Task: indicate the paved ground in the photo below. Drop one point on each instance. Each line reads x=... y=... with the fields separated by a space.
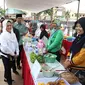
x=17 y=78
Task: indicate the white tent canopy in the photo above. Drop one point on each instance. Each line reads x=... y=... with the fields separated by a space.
x=35 y=5
x=74 y=5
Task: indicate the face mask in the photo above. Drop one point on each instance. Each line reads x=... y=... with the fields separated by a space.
x=53 y=30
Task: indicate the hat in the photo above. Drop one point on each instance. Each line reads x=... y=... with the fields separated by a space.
x=18 y=15
x=57 y=22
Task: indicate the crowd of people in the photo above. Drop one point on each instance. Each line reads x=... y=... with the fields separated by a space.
x=11 y=43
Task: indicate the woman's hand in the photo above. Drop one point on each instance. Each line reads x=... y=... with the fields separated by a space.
x=12 y=54
x=63 y=50
x=16 y=55
x=67 y=63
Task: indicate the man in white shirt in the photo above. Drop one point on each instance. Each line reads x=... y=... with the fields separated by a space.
x=8 y=50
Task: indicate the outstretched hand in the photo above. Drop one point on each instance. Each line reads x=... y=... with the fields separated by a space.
x=67 y=63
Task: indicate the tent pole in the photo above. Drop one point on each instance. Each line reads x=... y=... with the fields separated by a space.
x=78 y=9
x=4 y=7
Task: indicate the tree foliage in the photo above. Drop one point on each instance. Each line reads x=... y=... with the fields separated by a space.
x=2 y=12
x=48 y=11
x=67 y=15
x=38 y=15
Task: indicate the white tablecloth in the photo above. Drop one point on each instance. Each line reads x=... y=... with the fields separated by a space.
x=41 y=78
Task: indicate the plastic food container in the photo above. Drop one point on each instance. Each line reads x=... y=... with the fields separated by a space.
x=47 y=72
x=70 y=39
x=50 y=58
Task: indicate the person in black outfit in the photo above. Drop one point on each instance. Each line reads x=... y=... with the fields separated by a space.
x=16 y=33
x=13 y=62
x=43 y=32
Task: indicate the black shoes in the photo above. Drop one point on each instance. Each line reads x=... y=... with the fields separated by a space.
x=19 y=67
x=15 y=72
x=5 y=80
x=9 y=83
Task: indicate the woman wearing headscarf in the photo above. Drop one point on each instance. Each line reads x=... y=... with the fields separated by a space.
x=8 y=50
x=43 y=32
x=55 y=41
x=76 y=56
x=17 y=34
x=44 y=35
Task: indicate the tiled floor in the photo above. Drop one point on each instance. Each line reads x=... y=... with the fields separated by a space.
x=17 y=78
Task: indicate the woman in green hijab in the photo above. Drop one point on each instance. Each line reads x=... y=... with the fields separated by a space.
x=55 y=41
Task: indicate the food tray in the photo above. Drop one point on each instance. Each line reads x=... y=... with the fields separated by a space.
x=46 y=80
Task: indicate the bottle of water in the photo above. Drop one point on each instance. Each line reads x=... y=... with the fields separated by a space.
x=36 y=51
